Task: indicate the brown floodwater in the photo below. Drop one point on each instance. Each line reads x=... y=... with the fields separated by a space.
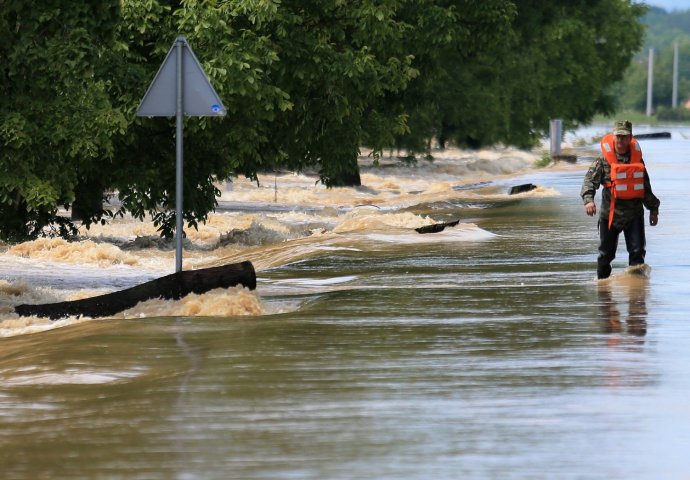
x=487 y=350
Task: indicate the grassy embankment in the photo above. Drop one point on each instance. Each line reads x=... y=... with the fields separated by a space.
x=637 y=118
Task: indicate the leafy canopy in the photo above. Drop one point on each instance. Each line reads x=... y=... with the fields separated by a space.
x=306 y=83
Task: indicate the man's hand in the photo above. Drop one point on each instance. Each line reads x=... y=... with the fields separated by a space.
x=653 y=219
x=591 y=209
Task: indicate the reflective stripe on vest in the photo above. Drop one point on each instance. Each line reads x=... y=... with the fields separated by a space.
x=636 y=186
x=628 y=180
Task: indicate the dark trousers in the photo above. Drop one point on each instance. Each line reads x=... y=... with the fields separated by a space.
x=608 y=243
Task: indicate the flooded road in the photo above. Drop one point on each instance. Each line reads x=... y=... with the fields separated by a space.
x=488 y=350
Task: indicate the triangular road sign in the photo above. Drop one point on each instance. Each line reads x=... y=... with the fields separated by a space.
x=199 y=98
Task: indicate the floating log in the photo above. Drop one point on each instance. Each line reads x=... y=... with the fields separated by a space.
x=653 y=135
x=525 y=187
x=436 y=227
x=170 y=287
x=471 y=186
x=565 y=158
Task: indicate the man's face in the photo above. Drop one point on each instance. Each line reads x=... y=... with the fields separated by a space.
x=622 y=143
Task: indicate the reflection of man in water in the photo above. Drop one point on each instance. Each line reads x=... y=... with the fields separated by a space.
x=636 y=320
x=622 y=198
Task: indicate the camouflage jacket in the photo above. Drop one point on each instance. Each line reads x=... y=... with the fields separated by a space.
x=600 y=173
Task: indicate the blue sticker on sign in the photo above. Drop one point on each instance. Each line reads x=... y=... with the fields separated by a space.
x=216 y=108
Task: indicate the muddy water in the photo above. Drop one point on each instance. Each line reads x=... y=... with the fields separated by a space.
x=487 y=350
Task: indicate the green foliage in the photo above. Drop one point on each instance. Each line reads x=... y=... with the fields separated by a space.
x=673 y=114
x=515 y=66
x=56 y=120
x=453 y=45
x=544 y=161
x=557 y=64
x=298 y=79
x=663 y=30
x=305 y=84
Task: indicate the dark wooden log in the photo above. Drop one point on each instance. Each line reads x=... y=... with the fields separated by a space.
x=436 y=227
x=170 y=287
x=565 y=158
x=653 y=135
x=525 y=187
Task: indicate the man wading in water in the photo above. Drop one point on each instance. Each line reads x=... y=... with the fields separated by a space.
x=622 y=172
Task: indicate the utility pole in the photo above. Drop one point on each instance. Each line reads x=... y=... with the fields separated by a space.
x=650 y=81
x=674 y=100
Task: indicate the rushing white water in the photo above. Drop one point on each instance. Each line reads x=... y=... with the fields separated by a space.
x=283 y=219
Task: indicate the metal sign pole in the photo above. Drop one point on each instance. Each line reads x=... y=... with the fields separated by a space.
x=180 y=88
x=179 y=233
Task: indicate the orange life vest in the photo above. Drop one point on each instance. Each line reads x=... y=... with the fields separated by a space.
x=627 y=179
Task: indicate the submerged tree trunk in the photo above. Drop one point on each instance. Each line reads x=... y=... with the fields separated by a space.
x=346 y=176
x=347 y=179
x=88 y=202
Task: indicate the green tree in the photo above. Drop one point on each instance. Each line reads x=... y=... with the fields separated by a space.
x=302 y=82
x=533 y=62
x=305 y=83
x=663 y=74
x=453 y=45
x=662 y=30
x=556 y=62
x=56 y=119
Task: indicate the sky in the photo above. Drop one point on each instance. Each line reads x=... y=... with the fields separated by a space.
x=669 y=5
